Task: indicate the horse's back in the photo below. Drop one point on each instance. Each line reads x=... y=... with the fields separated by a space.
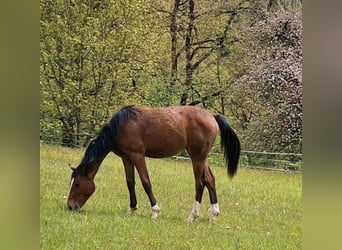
x=181 y=120
x=163 y=132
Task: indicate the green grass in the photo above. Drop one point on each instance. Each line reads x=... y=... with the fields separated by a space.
x=259 y=209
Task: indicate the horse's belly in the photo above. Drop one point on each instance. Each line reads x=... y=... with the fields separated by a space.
x=160 y=153
x=164 y=147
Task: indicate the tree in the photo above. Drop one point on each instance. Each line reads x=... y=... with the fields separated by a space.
x=240 y=58
x=274 y=82
x=199 y=34
x=89 y=51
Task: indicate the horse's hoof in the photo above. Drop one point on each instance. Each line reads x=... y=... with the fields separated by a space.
x=214 y=212
x=131 y=211
x=213 y=218
x=192 y=217
x=155 y=211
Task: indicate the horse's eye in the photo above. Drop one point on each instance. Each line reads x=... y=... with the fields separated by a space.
x=76 y=185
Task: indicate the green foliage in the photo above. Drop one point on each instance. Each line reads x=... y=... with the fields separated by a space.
x=88 y=51
x=238 y=58
x=259 y=210
x=161 y=93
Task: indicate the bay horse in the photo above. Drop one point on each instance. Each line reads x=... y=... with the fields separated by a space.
x=134 y=133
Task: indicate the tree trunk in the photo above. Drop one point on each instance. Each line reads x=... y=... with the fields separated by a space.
x=67 y=134
x=188 y=54
x=173 y=34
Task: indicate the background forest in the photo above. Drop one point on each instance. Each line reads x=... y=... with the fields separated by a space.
x=239 y=58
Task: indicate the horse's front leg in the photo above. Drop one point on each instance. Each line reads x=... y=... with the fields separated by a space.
x=140 y=165
x=130 y=180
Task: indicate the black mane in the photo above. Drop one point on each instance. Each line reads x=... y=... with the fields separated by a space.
x=106 y=136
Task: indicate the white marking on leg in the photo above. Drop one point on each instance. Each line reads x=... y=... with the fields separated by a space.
x=215 y=211
x=155 y=211
x=195 y=212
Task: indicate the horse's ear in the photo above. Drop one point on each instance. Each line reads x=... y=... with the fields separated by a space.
x=71 y=167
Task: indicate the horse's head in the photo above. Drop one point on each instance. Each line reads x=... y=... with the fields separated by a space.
x=82 y=186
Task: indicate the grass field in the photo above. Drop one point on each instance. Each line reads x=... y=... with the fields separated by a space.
x=259 y=209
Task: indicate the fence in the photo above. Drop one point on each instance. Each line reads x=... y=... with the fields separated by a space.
x=271 y=161
x=284 y=162
x=288 y=162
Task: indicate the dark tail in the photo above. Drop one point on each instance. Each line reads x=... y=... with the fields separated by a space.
x=230 y=145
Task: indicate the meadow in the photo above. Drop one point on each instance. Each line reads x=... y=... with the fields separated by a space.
x=259 y=209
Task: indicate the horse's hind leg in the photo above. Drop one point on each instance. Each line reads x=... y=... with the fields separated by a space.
x=209 y=182
x=198 y=167
x=130 y=180
x=204 y=177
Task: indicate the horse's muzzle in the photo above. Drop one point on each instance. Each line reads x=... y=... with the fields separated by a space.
x=73 y=206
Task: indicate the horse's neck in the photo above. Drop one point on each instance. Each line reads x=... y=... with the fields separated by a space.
x=96 y=165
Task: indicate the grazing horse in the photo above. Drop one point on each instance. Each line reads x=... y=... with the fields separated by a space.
x=134 y=133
